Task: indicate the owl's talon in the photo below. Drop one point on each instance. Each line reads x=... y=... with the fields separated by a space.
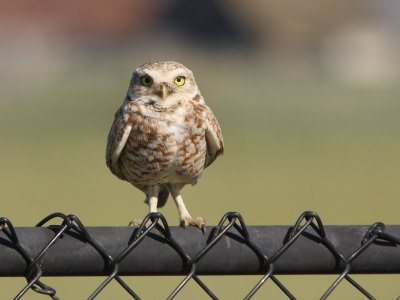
x=183 y=223
x=199 y=222
x=135 y=223
x=202 y=225
x=138 y=223
x=203 y=228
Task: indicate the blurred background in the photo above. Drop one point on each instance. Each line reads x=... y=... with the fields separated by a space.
x=307 y=95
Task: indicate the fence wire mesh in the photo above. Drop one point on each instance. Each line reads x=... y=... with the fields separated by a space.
x=231 y=223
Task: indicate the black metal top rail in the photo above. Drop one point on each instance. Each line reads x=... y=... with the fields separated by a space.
x=230 y=248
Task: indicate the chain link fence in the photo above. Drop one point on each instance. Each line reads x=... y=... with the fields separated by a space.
x=71 y=249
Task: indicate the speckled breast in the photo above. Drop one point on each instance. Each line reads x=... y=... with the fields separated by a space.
x=164 y=148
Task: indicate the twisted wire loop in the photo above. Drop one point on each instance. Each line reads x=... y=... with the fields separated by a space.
x=34 y=269
x=33 y=272
x=138 y=236
x=219 y=232
x=308 y=226
x=296 y=231
x=376 y=233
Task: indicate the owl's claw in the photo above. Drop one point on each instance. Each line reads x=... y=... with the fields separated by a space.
x=199 y=222
x=137 y=223
x=203 y=228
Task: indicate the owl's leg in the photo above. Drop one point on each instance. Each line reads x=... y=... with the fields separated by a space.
x=153 y=199
x=184 y=216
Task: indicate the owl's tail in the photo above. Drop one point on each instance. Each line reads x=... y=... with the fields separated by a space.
x=162 y=196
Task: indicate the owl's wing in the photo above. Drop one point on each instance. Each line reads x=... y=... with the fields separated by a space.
x=215 y=143
x=116 y=141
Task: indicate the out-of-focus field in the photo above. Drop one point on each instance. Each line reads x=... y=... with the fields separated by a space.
x=294 y=140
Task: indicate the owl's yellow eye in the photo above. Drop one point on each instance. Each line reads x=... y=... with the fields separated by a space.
x=180 y=80
x=146 y=80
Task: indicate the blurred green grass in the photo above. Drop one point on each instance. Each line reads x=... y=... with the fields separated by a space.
x=295 y=141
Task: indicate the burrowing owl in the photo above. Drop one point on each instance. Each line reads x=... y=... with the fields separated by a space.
x=163 y=135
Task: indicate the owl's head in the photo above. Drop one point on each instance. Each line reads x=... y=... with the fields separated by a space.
x=163 y=83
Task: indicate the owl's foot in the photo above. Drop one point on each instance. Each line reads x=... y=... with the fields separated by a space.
x=199 y=222
x=138 y=223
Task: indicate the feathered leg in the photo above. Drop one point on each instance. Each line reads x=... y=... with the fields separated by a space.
x=184 y=216
x=152 y=196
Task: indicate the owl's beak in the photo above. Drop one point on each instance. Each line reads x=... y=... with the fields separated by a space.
x=164 y=92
